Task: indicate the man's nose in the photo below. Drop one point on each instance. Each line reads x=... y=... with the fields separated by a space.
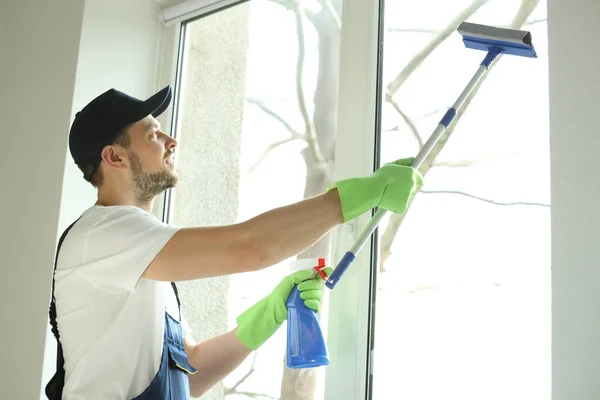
x=171 y=142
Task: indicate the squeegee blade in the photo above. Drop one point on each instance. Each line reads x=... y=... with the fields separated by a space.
x=507 y=41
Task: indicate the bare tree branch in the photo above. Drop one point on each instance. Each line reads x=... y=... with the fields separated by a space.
x=414 y=63
x=273 y=114
x=408 y=121
x=295 y=135
x=397 y=127
x=412 y=30
x=430 y=31
x=394 y=223
x=309 y=128
x=304 y=383
x=393 y=86
x=526 y=8
x=387 y=239
x=458 y=164
x=536 y=21
x=271 y=147
x=328 y=5
x=471 y=162
x=497 y=203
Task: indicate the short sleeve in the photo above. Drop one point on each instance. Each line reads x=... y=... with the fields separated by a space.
x=121 y=244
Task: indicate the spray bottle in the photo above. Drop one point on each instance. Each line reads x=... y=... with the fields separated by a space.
x=306 y=346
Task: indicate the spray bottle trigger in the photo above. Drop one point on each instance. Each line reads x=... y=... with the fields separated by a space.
x=319 y=268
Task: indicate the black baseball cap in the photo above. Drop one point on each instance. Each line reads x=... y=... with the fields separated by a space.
x=99 y=123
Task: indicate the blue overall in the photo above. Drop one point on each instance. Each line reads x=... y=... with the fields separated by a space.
x=171 y=380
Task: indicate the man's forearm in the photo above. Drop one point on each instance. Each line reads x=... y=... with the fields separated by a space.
x=262 y=241
x=286 y=231
x=214 y=359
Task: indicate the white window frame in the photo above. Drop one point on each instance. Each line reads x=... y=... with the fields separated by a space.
x=356 y=155
x=350 y=319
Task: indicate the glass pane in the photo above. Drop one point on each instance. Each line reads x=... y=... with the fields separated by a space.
x=463 y=294
x=256 y=129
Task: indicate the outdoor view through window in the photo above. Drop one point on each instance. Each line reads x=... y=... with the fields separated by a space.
x=257 y=126
x=462 y=299
x=463 y=294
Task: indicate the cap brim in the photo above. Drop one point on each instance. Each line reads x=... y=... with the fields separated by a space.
x=156 y=104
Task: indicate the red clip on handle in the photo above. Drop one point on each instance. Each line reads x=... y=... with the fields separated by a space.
x=319 y=268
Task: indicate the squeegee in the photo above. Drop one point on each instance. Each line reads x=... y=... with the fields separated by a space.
x=306 y=347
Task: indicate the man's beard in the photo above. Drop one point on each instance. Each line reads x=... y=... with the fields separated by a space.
x=147 y=185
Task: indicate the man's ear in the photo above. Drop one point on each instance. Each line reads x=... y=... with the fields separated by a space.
x=114 y=157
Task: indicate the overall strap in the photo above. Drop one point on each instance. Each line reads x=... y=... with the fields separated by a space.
x=52 y=312
x=54 y=387
x=177 y=297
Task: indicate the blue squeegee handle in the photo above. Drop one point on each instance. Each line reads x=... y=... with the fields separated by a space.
x=446 y=120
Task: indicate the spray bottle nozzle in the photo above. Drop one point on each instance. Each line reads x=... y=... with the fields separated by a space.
x=319 y=268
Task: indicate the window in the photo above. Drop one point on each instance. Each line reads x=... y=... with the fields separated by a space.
x=450 y=300
x=257 y=130
x=463 y=294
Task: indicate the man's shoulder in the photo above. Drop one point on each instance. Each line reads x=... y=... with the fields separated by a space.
x=113 y=245
x=109 y=229
x=117 y=211
x=98 y=217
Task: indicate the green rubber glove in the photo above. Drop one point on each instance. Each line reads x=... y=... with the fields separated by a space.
x=391 y=187
x=258 y=323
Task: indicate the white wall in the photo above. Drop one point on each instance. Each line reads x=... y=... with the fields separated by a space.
x=573 y=30
x=37 y=69
x=46 y=69
x=119 y=45
x=42 y=68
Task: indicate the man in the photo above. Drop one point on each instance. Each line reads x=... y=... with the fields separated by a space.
x=113 y=310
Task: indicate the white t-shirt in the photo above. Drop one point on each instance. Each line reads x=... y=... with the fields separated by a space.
x=110 y=320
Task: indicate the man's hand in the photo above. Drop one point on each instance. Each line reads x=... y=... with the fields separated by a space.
x=215 y=358
x=391 y=188
x=262 y=320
